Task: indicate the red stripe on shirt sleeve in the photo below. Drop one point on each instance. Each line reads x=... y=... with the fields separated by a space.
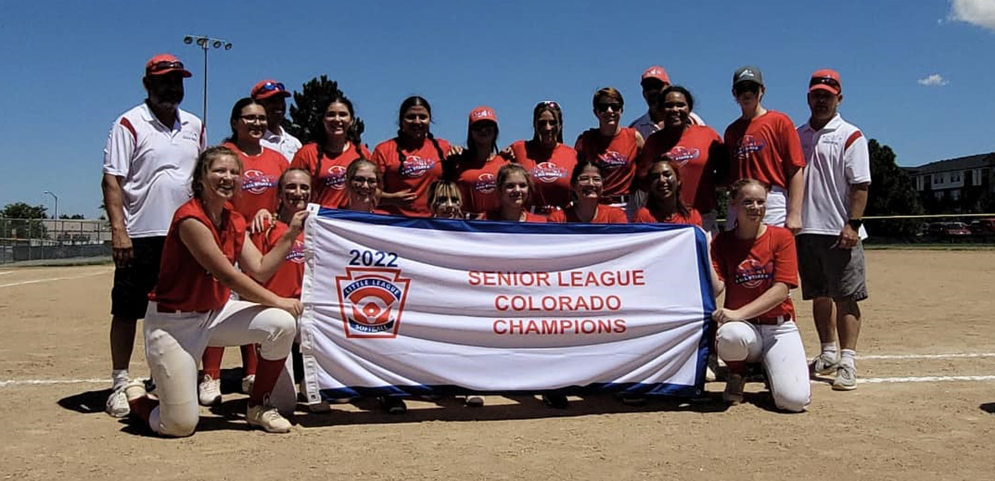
x=851 y=139
x=131 y=128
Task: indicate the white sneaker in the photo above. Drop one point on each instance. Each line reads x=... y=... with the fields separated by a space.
x=733 y=393
x=209 y=391
x=474 y=401
x=247 y=383
x=824 y=364
x=117 y=403
x=267 y=418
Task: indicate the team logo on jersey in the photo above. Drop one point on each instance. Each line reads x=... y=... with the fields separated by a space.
x=613 y=160
x=336 y=177
x=752 y=274
x=682 y=155
x=548 y=172
x=256 y=182
x=748 y=145
x=371 y=301
x=486 y=183
x=296 y=254
x=415 y=166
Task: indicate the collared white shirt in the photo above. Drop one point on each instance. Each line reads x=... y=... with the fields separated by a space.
x=836 y=157
x=156 y=163
x=646 y=127
x=284 y=143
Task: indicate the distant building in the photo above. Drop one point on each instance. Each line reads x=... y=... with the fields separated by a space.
x=954 y=180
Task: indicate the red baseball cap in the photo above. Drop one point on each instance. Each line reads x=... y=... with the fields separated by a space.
x=268 y=88
x=826 y=79
x=165 y=63
x=656 y=72
x=482 y=113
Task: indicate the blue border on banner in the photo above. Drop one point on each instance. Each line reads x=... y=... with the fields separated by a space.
x=457 y=225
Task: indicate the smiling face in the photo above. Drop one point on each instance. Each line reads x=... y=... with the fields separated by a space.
x=251 y=123
x=676 y=110
x=515 y=190
x=223 y=178
x=483 y=134
x=750 y=203
x=415 y=122
x=362 y=185
x=664 y=180
x=547 y=127
x=295 y=192
x=608 y=111
x=588 y=184
x=337 y=120
x=446 y=201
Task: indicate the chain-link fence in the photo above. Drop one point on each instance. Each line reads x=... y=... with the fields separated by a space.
x=38 y=239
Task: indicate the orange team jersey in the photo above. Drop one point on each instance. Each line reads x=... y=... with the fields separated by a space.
x=327 y=187
x=605 y=214
x=529 y=217
x=260 y=178
x=646 y=216
x=286 y=282
x=766 y=149
x=421 y=167
x=751 y=267
x=698 y=153
x=478 y=183
x=617 y=157
x=184 y=284
x=550 y=172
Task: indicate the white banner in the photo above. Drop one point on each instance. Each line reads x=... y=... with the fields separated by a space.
x=421 y=306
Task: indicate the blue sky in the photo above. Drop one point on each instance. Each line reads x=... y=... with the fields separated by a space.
x=72 y=67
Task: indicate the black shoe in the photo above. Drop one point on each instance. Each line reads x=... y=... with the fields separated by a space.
x=555 y=401
x=393 y=404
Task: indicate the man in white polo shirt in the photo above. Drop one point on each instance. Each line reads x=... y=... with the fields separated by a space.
x=654 y=81
x=273 y=97
x=830 y=252
x=148 y=161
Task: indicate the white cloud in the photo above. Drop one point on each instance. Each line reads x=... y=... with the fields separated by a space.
x=935 y=80
x=975 y=12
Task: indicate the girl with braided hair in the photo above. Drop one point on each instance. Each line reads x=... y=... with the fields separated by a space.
x=336 y=144
x=410 y=162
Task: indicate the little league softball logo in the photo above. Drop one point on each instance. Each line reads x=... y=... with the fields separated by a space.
x=548 y=172
x=748 y=145
x=613 y=160
x=371 y=301
x=296 y=254
x=256 y=182
x=682 y=155
x=752 y=274
x=485 y=184
x=415 y=166
x=336 y=177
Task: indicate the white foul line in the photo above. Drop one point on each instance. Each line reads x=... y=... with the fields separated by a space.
x=36 y=281
x=878 y=380
x=927 y=356
x=37 y=382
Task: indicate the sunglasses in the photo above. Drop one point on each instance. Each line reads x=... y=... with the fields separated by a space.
x=604 y=107
x=828 y=81
x=165 y=65
x=253 y=118
x=548 y=103
x=271 y=86
x=742 y=88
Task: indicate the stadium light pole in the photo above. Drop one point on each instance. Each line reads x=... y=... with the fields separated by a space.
x=206 y=43
x=56 y=216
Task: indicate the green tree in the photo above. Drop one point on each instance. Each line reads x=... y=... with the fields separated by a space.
x=23 y=221
x=892 y=192
x=305 y=118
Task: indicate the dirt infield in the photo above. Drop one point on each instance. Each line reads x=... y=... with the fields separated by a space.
x=925 y=408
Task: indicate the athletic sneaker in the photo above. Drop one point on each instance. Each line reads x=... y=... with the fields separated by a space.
x=846 y=378
x=117 y=403
x=824 y=364
x=733 y=393
x=267 y=418
x=474 y=401
x=209 y=391
x=247 y=383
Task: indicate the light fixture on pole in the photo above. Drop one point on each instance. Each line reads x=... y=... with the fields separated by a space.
x=56 y=216
x=205 y=43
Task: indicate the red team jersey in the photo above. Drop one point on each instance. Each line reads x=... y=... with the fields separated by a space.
x=328 y=187
x=260 y=178
x=646 y=216
x=550 y=173
x=478 y=183
x=766 y=148
x=698 y=153
x=605 y=214
x=184 y=284
x=751 y=267
x=529 y=217
x=617 y=156
x=421 y=167
x=286 y=282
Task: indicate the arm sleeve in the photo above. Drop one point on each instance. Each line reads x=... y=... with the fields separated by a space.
x=792 y=153
x=857 y=159
x=119 y=149
x=785 y=258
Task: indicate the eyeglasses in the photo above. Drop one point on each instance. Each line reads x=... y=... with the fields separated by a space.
x=164 y=65
x=829 y=81
x=271 y=86
x=253 y=118
x=614 y=106
x=372 y=181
